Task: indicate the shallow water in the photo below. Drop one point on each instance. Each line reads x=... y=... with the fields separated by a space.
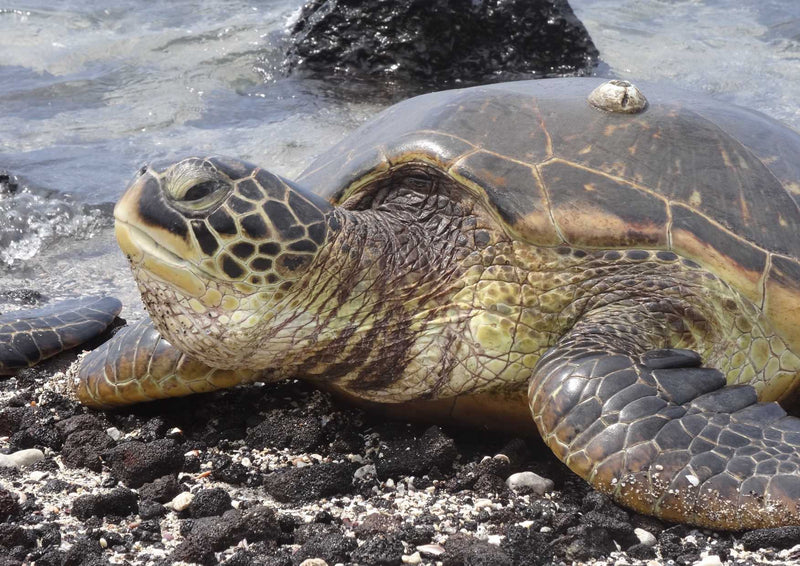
x=89 y=94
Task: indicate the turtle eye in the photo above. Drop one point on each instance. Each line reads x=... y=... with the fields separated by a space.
x=200 y=195
x=201 y=191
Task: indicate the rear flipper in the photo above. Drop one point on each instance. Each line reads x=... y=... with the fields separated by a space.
x=30 y=336
x=668 y=438
x=139 y=365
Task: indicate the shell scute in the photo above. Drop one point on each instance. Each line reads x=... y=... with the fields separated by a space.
x=589 y=207
x=493 y=177
x=718 y=249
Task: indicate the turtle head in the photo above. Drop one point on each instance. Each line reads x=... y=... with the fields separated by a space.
x=214 y=244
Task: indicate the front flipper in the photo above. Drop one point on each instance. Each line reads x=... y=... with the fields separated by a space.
x=30 y=336
x=139 y=365
x=665 y=437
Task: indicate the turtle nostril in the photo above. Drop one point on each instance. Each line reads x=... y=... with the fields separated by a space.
x=143 y=170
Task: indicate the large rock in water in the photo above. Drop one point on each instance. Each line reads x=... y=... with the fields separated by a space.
x=439 y=43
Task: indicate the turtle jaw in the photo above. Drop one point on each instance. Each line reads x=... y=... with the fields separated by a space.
x=145 y=253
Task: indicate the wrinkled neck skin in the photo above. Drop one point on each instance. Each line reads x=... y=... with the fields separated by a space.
x=383 y=278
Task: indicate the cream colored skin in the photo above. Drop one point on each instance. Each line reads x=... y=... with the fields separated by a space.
x=473 y=321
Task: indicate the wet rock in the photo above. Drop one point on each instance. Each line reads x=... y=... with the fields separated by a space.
x=310 y=482
x=209 y=502
x=84 y=449
x=439 y=43
x=280 y=429
x=136 y=463
x=779 y=538
x=120 y=502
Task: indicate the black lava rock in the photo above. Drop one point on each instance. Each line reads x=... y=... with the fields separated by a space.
x=120 y=502
x=15 y=536
x=84 y=551
x=9 y=506
x=379 y=550
x=35 y=436
x=212 y=534
x=149 y=509
x=147 y=531
x=310 y=482
x=779 y=538
x=525 y=546
x=280 y=429
x=84 y=448
x=326 y=542
x=439 y=43
x=81 y=422
x=161 y=489
x=407 y=456
x=136 y=463
x=48 y=535
x=209 y=502
x=461 y=549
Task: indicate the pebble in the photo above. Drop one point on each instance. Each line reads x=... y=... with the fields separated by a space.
x=21 y=458
x=365 y=472
x=313 y=562
x=645 y=537
x=114 y=433
x=432 y=549
x=181 y=501
x=709 y=560
x=529 y=482
x=411 y=558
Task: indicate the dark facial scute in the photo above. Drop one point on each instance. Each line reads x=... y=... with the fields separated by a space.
x=208 y=243
x=254 y=226
x=231 y=268
x=222 y=222
x=243 y=250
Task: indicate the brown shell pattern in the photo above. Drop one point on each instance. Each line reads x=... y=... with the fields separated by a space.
x=715 y=183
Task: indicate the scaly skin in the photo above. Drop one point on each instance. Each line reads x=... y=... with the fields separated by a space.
x=420 y=294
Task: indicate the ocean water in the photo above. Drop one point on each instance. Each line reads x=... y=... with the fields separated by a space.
x=89 y=93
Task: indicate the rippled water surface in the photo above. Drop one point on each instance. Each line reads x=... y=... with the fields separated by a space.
x=88 y=94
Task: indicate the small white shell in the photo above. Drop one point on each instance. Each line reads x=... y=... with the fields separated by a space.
x=618 y=96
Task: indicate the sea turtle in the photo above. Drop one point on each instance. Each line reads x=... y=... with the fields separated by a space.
x=29 y=336
x=602 y=261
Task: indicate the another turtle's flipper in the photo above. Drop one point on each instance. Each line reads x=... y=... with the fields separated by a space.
x=665 y=437
x=30 y=336
x=138 y=365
